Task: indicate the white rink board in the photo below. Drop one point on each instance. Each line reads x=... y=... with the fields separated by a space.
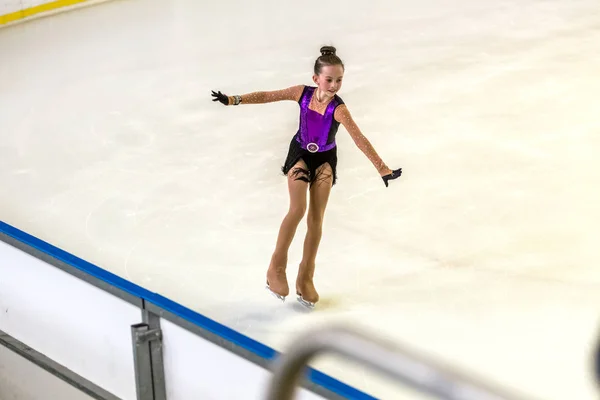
x=87 y=330
x=17 y=373
x=199 y=369
x=83 y=328
x=10 y=6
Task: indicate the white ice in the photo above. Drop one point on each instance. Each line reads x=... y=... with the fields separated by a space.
x=484 y=253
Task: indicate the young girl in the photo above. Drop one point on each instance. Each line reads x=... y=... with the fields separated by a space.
x=311 y=163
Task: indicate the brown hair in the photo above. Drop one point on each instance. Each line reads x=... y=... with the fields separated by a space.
x=328 y=57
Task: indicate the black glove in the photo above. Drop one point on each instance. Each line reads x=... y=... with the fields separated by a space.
x=220 y=97
x=395 y=174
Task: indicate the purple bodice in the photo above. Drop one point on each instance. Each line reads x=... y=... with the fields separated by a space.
x=317 y=132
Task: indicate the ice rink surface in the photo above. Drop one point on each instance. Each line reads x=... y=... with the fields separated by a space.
x=484 y=253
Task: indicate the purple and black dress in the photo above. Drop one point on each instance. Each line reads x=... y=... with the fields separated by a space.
x=314 y=142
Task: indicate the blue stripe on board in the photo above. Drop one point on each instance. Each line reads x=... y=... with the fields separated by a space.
x=193 y=317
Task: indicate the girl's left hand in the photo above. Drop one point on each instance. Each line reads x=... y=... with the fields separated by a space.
x=390 y=175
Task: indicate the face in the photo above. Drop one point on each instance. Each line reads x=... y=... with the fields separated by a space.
x=329 y=81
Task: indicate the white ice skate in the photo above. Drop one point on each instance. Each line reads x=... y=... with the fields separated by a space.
x=276 y=295
x=308 y=304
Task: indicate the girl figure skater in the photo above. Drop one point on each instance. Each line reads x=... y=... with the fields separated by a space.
x=310 y=166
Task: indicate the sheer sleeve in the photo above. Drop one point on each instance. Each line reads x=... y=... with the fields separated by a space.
x=292 y=93
x=342 y=115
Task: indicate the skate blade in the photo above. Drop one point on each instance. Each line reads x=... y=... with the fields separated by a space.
x=307 y=304
x=276 y=295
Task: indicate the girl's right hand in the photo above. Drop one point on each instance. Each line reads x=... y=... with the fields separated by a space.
x=220 y=97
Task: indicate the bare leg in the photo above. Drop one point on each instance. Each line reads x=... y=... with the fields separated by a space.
x=297 y=186
x=319 y=196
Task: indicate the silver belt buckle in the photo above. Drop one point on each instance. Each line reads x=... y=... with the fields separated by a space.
x=312 y=147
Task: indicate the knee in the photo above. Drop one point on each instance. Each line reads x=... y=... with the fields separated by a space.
x=296 y=212
x=314 y=220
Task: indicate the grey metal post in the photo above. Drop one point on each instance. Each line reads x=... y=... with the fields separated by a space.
x=156 y=356
x=414 y=370
x=141 y=335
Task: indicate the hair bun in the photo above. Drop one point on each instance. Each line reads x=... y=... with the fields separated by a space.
x=326 y=50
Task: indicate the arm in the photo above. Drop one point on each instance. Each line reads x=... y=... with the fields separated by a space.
x=342 y=115
x=292 y=93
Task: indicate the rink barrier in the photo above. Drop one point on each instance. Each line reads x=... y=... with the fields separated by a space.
x=39 y=9
x=14 y=15
x=145 y=370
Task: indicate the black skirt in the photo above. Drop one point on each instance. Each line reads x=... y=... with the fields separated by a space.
x=313 y=160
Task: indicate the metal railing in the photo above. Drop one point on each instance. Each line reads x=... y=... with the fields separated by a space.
x=414 y=370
